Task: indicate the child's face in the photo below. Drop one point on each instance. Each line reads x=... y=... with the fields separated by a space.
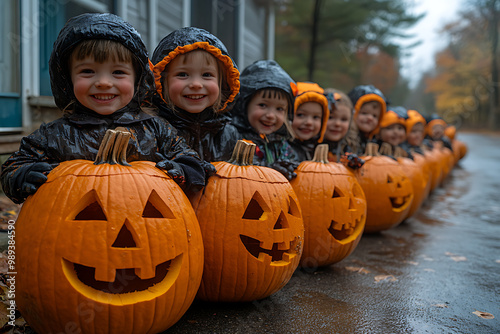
x=307 y=120
x=437 y=131
x=394 y=134
x=102 y=87
x=416 y=135
x=338 y=123
x=193 y=82
x=368 y=116
x=266 y=114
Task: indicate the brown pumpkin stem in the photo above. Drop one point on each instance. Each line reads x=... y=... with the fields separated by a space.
x=321 y=153
x=400 y=153
x=385 y=149
x=243 y=153
x=113 y=149
x=371 y=149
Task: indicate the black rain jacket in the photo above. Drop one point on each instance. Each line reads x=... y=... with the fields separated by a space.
x=273 y=148
x=209 y=132
x=77 y=135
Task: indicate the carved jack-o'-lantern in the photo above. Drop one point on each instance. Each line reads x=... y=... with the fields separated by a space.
x=333 y=207
x=108 y=248
x=252 y=230
x=424 y=166
x=433 y=159
x=387 y=189
x=419 y=181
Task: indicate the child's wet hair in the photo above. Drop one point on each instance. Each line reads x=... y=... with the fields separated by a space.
x=276 y=93
x=102 y=50
x=224 y=90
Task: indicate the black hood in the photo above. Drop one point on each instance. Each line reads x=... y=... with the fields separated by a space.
x=188 y=39
x=260 y=75
x=96 y=26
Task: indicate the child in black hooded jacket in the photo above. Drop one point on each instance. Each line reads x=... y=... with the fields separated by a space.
x=100 y=76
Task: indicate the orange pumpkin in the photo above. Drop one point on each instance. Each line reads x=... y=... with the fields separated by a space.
x=419 y=181
x=252 y=230
x=388 y=190
x=107 y=247
x=459 y=149
x=333 y=207
x=423 y=164
x=433 y=159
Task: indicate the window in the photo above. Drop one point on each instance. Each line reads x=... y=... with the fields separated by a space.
x=10 y=69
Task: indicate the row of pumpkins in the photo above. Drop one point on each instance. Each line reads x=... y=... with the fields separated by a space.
x=112 y=247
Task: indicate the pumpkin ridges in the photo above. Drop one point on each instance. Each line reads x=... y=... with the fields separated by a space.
x=231 y=269
x=50 y=317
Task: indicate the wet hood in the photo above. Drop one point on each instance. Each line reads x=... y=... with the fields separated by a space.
x=96 y=26
x=190 y=38
x=259 y=75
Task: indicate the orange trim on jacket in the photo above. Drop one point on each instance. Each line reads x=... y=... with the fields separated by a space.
x=312 y=92
x=232 y=74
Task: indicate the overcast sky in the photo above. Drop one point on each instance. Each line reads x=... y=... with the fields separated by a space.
x=439 y=12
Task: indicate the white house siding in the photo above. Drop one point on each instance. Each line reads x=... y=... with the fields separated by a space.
x=254 y=35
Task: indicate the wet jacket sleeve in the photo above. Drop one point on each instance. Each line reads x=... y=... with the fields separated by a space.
x=31 y=157
x=182 y=163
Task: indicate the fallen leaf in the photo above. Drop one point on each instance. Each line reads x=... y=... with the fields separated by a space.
x=455 y=257
x=412 y=263
x=360 y=270
x=388 y=278
x=497 y=261
x=440 y=305
x=426 y=258
x=484 y=315
x=429 y=270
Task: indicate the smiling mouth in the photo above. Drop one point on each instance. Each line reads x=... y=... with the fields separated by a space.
x=104 y=97
x=340 y=231
x=194 y=97
x=127 y=287
x=277 y=253
x=400 y=201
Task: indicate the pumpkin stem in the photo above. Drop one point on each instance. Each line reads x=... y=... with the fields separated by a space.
x=400 y=153
x=372 y=149
x=113 y=149
x=321 y=153
x=385 y=149
x=243 y=153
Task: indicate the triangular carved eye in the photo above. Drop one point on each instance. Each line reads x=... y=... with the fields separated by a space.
x=156 y=208
x=356 y=190
x=293 y=208
x=89 y=208
x=389 y=179
x=281 y=223
x=337 y=193
x=125 y=239
x=255 y=208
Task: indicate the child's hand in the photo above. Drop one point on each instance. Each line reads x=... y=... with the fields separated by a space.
x=173 y=169
x=209 y=169
x=287 y=168
x=35 y=177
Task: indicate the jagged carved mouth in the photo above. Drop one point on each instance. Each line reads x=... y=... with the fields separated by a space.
x=127 y=287
x=280 y=252
x=343 y=231
x=400 y=201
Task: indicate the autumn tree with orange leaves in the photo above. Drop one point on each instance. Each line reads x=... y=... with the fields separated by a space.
x=465 y=82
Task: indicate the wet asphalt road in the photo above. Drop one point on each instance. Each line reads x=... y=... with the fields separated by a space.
x=439 y=266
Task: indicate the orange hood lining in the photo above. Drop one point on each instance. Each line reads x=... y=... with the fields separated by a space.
x=368 y=98
x=414 y=117
x=437 y=121
x=232 y=73
x=390 y=118
x=314 y=96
